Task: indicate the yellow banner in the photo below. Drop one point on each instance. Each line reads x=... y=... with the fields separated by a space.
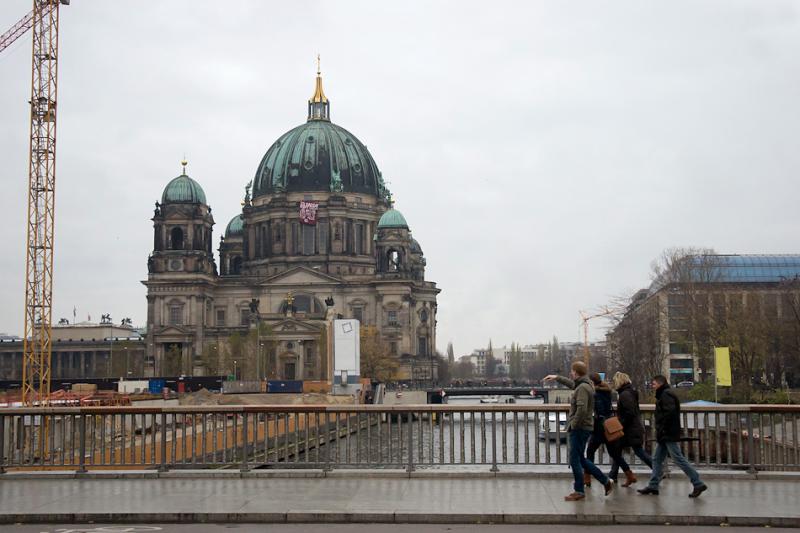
x=722 y=358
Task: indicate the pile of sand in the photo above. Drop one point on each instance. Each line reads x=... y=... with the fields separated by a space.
x=204 y=397
x=201 y=397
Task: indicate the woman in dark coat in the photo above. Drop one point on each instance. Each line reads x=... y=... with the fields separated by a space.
x=631 y=420
x=602 y=411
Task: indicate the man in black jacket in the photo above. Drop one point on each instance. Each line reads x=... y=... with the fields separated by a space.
x=668 y=435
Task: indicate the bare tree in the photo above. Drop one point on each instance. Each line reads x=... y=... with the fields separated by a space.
x=690 y=308
x=634 y=344
x=463 y=369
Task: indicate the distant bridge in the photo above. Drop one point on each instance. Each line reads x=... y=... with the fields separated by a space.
x=436 y=396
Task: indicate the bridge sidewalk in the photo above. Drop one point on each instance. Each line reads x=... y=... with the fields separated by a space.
x=388 y=496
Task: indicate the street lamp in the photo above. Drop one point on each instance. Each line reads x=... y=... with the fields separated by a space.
x=258 y=361
x=235 y=377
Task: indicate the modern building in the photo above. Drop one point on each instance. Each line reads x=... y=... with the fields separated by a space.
x=748 y=303
x=318 y=237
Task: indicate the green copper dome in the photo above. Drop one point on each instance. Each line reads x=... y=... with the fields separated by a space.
x=235 y=227
x=183 y=189
x=318 y=156
x=392 y=219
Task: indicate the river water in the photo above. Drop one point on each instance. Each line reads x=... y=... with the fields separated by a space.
x=459 y=439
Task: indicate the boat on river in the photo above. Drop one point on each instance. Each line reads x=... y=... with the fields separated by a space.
x=553 y=426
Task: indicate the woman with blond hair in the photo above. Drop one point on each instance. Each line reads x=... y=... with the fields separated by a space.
x=631 y=420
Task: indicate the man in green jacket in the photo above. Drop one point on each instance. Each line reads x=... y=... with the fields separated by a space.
x=580 y=425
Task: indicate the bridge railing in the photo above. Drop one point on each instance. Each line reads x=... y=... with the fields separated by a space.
x=750 y=437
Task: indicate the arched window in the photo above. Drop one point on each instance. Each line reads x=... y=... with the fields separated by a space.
x=236 y=266
x=394 y=260
x=176 y=239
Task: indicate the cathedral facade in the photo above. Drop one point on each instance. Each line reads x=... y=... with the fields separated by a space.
x=318 y=238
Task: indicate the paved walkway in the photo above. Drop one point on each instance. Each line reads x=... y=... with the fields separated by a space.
x=388 y=497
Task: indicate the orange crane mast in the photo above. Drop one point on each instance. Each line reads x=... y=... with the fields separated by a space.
x=585 y=318
x=37 y=348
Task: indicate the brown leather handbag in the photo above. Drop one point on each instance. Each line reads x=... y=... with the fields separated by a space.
x=612 y=429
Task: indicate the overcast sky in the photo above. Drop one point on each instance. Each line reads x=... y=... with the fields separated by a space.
x=543 y=153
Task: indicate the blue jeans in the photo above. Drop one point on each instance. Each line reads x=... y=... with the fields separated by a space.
x=579 y=463
x=673 y=450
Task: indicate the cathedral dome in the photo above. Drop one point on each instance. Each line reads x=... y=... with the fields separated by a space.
x=183 y=189
x=318 y=156
x=235 y=227
x=392 y=219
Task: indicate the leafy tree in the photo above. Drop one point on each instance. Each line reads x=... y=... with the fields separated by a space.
x=172 y=365
x=451 y=356
x=463 y=369
x=556 y=364
x=444 y=369
x=515 y=362
x=376 y=361
x=213 y=361
x=323 y=351
x=490 y=361
x=126 y=359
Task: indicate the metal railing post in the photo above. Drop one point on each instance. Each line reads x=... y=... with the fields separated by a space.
x=162 y=465
x=243 y=467
x=328 y=466
x=494 y=443
x=410 y=422
x=82 y=446
x=2 y=444
x=751 y=445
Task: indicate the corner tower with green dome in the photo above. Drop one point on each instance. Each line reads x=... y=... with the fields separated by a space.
x=317 y=237
x=181 y=273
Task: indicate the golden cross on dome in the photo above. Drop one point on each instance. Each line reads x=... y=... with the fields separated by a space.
x=184 y=162
x=318 y=69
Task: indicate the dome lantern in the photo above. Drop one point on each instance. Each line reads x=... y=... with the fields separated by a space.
x=318 y=104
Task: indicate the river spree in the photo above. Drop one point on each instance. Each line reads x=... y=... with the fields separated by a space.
x=460 y=438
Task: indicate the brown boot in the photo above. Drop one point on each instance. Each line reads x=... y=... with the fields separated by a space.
x=587 y=479
x=630 y=479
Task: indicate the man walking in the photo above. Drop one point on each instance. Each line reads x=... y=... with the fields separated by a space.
x=579 y=426
x=668 y=435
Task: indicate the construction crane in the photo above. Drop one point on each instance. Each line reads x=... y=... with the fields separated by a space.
x=585 y=318
x=43 y=20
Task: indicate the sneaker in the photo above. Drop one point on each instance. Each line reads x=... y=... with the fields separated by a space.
x=648 y=490
x=575 y=496
x=698 y=490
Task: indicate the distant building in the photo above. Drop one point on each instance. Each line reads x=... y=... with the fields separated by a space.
x=82 y=350
x=531 y=353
